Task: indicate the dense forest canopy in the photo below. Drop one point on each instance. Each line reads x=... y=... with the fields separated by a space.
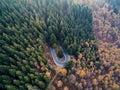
x=106 y=26
x=115 y=4
x=26 y=25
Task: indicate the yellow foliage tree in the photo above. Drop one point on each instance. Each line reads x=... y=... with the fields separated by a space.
x=95 y=82
x=74 y=60
x=48 y=74
x=63 y=71
x=59 y=83
x=57 y=69
x=81 y=73
x=87 y=44
x=80 y=55
x=107 y=55
x=100 y=78
x=65 y=88
x=116 y=87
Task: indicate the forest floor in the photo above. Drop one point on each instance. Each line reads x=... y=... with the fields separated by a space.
x=48 y=55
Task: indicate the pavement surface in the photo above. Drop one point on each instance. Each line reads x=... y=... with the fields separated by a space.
x=56 y=59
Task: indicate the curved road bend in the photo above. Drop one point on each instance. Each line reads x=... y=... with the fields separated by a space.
x=56 y=60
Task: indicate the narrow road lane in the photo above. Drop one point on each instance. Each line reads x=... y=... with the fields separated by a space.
x=56 y=60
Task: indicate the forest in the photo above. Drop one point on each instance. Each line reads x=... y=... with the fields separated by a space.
x=26 y=25
x=89 y=32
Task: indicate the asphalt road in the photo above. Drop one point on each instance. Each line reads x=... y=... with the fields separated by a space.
x=56 y=60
